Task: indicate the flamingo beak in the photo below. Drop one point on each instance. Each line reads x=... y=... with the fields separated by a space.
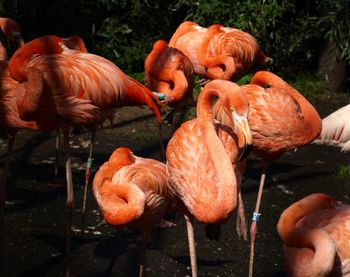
x=245 y=138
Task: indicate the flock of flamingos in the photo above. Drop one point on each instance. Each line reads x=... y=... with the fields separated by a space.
x=53 y=83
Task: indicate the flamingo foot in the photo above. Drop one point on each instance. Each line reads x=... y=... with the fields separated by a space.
x=166 y=224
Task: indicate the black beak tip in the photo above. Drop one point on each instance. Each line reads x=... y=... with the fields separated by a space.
x=246 y=151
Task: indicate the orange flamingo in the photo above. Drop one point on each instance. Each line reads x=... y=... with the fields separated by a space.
x=315 y=233
x=202 y=157
x=336 y=129
x=218 y=52
x=280 y=119
x=188 y=38
x=77 y=89
x=12 y=32
x=132 y=192
x=170 y=72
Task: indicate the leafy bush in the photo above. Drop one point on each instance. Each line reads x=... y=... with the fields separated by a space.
x=291 y=32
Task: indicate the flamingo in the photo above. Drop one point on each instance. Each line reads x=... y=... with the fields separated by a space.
x=10 y=28
x=132 y=192
x=336 y=129
x=218 y=52
x=280 y=119
x=315 y=233
x=169 y=71
x=76 y=89
x=202 y=156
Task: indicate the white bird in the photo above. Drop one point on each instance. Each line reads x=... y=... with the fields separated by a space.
x=336 y=129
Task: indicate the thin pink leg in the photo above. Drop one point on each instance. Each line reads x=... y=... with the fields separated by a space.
x=87 y=179
x=253 y=227
x=241 y=223
x=57 y=145
x=70 y=197
x=191 y=245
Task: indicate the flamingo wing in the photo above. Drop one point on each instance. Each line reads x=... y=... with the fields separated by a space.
x=74 y=76
x=275 y=115
x=189 y=45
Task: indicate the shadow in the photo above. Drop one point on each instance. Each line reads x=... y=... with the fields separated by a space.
x=127 y=244
x=278 y=169
x=185 y=261
x=276 y=274
x=22 y=199
x=43 y=268
x=116 y=244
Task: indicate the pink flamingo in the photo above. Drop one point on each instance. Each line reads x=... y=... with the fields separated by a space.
x=132 y=192
x=76 y=89
x=315 y=233
x=336 y=129
x=202 y=157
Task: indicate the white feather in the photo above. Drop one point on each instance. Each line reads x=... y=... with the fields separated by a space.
x=336 y=129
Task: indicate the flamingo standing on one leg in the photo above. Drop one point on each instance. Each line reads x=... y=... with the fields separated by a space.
x=218 y=52
x=336 y=129
x=77 y=89
x=132 y=192
x=280 y=119
x=201 y=159
x=315 y=233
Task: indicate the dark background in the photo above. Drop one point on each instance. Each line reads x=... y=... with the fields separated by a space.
x=299 y=35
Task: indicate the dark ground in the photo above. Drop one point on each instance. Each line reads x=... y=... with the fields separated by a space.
x=35 y=210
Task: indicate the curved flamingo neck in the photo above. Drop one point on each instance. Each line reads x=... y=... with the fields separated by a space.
x=315 y=239
x=184 y=28
x=44 y=45
x=215 y=61
x=312 y=119
x=120 y=203
x=227 y=183
x=306 y=206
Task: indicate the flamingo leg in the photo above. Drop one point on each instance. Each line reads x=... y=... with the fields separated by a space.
x=253 y=227
x=87 y=178
x=57 y=145
x=70 y=197
x=191 y=245
x=241 y=223
x=143 y=252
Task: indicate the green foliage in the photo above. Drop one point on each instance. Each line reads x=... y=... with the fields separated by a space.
x=310 y=85
x=335 y=23
x=291 y=32
x=344 y=171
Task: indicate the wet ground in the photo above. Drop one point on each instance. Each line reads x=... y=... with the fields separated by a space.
x=35 y=208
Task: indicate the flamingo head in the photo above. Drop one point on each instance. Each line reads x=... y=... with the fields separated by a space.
x=122 y=156
x=75 y=42
x=239 y=108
